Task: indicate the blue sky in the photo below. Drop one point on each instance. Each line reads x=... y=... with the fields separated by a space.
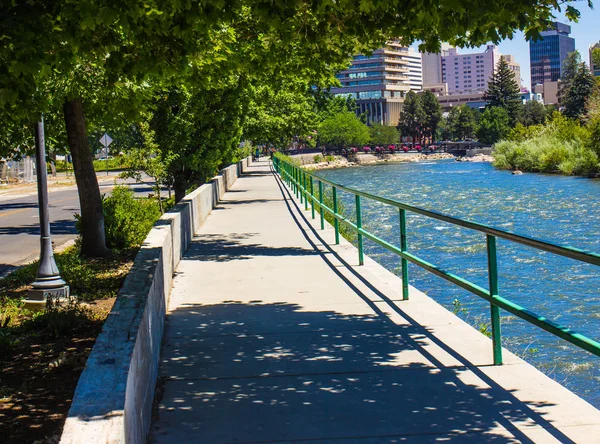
x=585 y=32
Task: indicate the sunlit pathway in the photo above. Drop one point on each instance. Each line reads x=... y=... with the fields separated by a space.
x=271 y=337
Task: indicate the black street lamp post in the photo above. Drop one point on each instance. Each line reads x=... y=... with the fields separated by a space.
x=48 y=283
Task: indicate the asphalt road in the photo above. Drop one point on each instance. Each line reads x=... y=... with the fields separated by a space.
x=19 y=224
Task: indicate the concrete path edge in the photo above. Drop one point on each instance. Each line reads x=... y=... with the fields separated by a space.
x=113 y=399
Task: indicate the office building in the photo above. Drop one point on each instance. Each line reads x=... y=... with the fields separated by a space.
x=595 y=68
x=469 y=73
x=548 y=91
x=514 y=67
x=415 y=70
x=547 y=54
x=432 y=66
x=379 y=82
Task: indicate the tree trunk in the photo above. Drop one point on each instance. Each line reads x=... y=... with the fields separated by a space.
x=179 y=193
x=93 y=241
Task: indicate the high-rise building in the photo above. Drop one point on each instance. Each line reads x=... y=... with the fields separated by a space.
x=432 y=66
x=514 y=67
x=547 y=54
x=469 y=73
x=595 y=68
x=415 y=70
x=379 y=82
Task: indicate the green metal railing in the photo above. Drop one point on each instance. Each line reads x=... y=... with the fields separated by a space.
x=302 y=184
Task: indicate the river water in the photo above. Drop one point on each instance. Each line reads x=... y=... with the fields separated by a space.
x=563 y=210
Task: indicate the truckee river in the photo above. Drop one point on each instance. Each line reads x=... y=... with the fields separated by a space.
x=559 y=209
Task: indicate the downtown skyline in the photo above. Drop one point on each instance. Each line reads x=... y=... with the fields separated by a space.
x=585 y=32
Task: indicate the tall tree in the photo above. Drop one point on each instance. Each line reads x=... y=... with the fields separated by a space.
x=384 y=134
x=570 y=68
x=344 y=129
x=580 y=89
x=433 y=113
x=461 y=123
x=279 y=113
x=493 y=125
x=412 y=117
x=534 y=113
x=503 y=91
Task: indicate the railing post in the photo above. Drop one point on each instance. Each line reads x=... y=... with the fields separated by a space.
x=336 y=222
x=494 y=310
x=312 y=197
x=321 y=212
x=300 y=186
x=361 y=257
x=296 y=181
x=305 y=190
x=404 y=249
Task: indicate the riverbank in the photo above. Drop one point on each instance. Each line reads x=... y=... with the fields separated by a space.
x=308 y=160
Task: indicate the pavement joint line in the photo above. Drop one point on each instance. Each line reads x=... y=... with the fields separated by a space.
x=242 y=336
x=447 y=368
x=299 y=375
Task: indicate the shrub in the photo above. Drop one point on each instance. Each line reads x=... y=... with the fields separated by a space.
x=128 y=220
x=318 y=158
x=562 y=146
x=585 y=162
x=59 y=320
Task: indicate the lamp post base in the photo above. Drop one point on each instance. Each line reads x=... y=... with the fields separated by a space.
x=37 y=298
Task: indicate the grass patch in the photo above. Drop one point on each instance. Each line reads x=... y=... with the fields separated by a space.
x=43 y=353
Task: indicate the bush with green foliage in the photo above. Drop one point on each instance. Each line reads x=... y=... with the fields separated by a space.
x=493 y=125
x=112 y=164
x=344 y=129
x=562 y=147
x=127 y=219
x=384 y=134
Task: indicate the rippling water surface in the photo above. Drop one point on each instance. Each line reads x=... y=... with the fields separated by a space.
x=563 y=210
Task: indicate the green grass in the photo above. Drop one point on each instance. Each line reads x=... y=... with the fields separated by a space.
x=89 y=279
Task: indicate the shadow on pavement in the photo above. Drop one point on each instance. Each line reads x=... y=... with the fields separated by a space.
x=221 y=248
x=279 y=373
x=64 y=226
x=16 y=206
x=6 y=269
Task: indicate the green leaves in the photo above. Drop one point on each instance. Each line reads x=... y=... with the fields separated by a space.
x=413 y=116
x=344 y=129
x=384 y=134
x=577 y=92
x=503 y=91
x=493 y=125
x=461 y=123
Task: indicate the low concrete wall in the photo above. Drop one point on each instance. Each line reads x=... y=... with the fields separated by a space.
x=113 y=399
x=230 y=174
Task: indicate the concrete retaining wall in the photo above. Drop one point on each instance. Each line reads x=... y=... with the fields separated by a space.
x=113 y=399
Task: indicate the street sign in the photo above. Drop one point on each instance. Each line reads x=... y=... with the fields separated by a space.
x=105 y=140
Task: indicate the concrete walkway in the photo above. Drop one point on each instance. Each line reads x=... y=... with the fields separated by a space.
x=272 y=337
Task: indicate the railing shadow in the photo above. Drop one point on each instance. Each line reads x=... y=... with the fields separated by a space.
x=304 y=225
x=227 y=247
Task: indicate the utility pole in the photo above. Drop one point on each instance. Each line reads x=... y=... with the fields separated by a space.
x=48 y=283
